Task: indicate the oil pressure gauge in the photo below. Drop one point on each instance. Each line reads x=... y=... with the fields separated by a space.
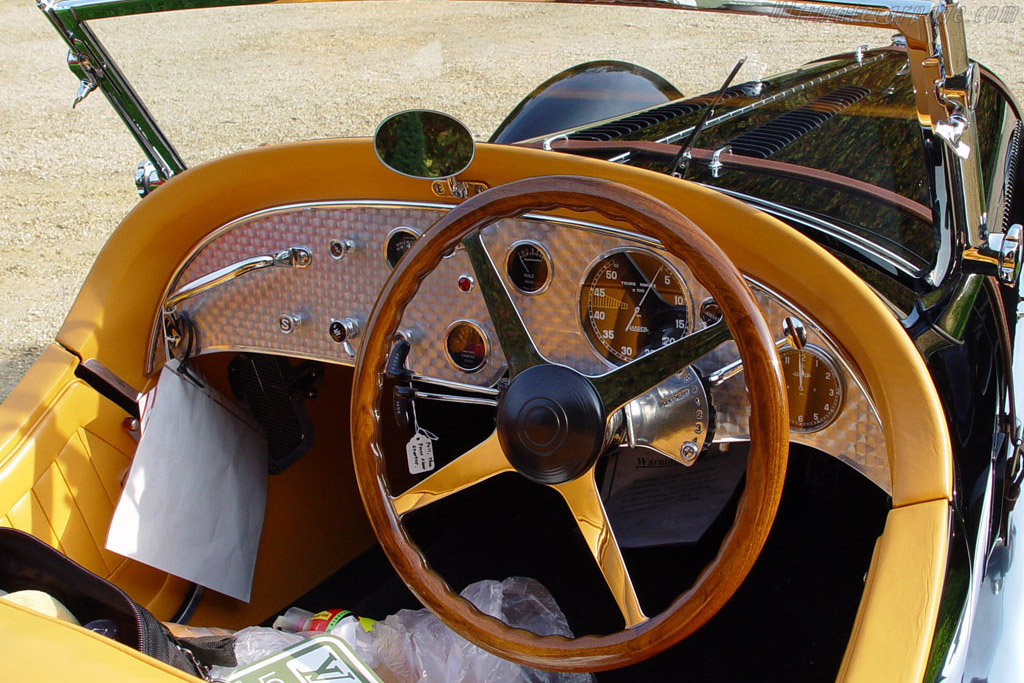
x=813 y=386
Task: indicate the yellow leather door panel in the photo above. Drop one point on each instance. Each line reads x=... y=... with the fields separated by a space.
x=63 y=456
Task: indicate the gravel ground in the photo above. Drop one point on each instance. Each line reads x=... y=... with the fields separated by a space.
x=222 y=80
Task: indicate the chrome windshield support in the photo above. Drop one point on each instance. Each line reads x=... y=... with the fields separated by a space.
x=96 y=69
x=296 y=257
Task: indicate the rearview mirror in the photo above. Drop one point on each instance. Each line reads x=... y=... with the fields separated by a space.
x=424 y=144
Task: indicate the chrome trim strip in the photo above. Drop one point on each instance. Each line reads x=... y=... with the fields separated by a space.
x=848 y=238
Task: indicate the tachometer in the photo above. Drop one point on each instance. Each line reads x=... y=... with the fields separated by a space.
x=633 y=302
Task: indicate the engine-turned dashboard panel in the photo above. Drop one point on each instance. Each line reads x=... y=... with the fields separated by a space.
x=301 y=281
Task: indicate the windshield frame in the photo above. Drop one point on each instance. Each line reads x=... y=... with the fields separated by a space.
x=946 y=86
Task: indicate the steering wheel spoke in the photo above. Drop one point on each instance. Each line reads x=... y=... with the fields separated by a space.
x=585 y=504
x=620 y=386
x=479 y=463
x=516 y=344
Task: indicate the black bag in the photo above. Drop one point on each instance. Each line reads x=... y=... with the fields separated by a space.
x=26 y=563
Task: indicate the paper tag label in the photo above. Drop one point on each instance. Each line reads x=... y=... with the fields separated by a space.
x=320 y=659
x=420 y=451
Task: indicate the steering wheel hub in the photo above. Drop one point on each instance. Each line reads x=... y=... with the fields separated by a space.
x=551 y=424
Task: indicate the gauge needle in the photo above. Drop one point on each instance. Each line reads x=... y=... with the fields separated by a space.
x=801 y=374
x=650 y=286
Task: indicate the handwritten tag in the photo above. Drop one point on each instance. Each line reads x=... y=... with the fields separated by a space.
x=420 y=451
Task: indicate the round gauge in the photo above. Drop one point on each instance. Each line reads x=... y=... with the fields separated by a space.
x=528 y=267
x=710 y=312
x=813 y=387
x=398 y=241
x=465 y=346
x=633 y=302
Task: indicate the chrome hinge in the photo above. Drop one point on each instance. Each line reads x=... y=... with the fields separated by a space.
x=147 y=178
x=960 y=91
x=1000 y=255
x=952 y=132
x=457 y=189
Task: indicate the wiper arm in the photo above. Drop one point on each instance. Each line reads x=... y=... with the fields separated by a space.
x=682 y=159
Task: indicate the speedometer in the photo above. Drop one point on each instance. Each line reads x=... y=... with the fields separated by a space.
x=633 y=302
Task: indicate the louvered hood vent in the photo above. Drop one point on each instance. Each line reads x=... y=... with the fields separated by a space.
x=766 y=140
x=638 y=122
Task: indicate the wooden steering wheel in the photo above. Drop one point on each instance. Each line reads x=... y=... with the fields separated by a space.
x=551 y=424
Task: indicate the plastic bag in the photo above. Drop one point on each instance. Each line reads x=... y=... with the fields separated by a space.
x=413 y=646
x=253 y=644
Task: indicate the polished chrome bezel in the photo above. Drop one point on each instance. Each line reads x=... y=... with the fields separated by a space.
x=547 y=259
x=483 y=335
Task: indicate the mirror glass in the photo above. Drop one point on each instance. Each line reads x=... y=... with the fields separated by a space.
x=424 y=144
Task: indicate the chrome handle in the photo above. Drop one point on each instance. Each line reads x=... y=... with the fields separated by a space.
x=295 y=257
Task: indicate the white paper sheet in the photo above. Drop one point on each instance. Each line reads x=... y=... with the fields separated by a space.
x=652 y=500
x=194 y=500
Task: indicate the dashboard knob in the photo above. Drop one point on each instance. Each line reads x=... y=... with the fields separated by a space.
x=289 y=322
x=343 y=331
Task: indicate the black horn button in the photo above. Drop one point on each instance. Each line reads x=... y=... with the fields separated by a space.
x=551 y=424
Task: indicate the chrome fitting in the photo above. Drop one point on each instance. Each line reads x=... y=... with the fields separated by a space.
x=716 y=161
x=960 y=91
x=147 y=178
x=343 y=331
x=795 y=331
x=952 y=132
x=339 y=248
x=1001 y=255
x=289 y=322
x=688 y=453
